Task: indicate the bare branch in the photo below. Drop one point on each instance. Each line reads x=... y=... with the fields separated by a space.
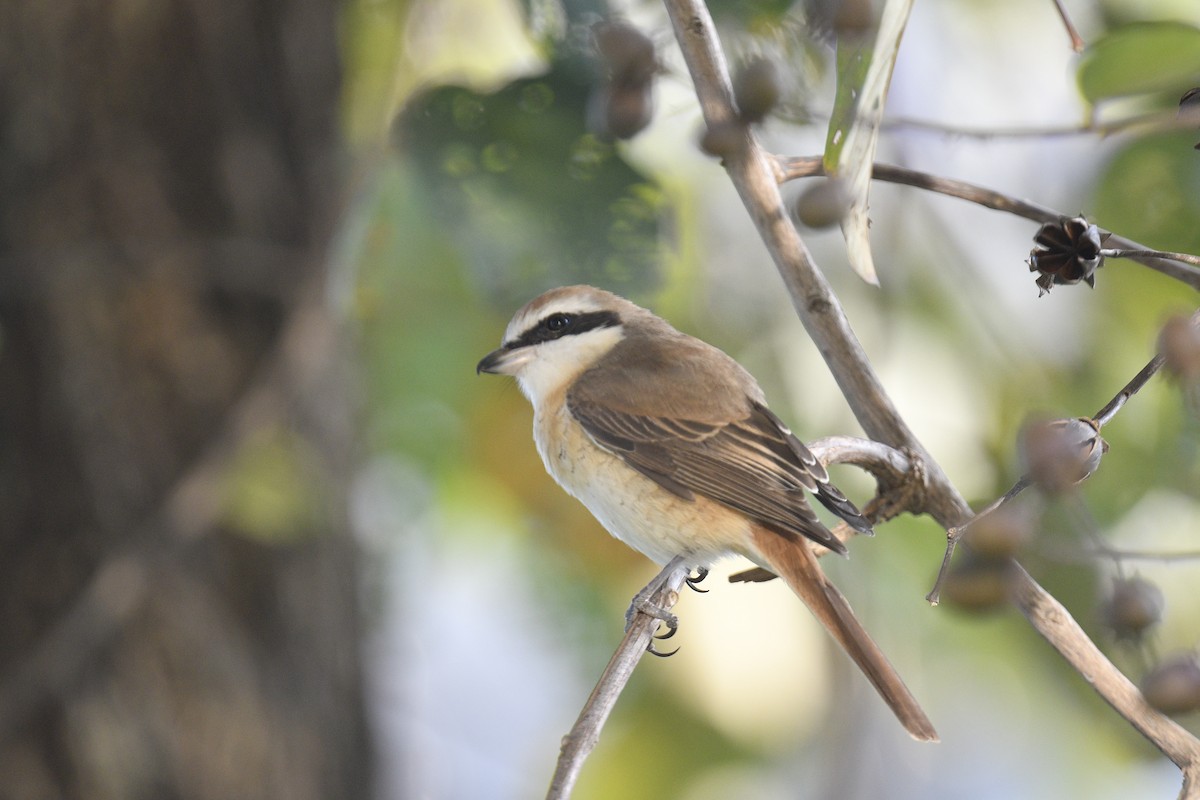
x=578 y=744
x=811 y=166
x=1186 y=258
x=1076 y=40
x=1054 y=622
x=889 y=465
x=1110 y=409
x=1147 y=123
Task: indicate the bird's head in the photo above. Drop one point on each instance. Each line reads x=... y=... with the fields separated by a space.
x=558 y=335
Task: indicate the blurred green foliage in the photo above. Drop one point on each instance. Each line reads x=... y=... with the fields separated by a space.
x=1162 y=172
x=1141 y=58
x=530 y=197
x=273 y=492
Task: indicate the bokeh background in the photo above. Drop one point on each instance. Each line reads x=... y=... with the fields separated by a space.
x=264 y=533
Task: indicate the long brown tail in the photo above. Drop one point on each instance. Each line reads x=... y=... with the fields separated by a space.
x=797 y=565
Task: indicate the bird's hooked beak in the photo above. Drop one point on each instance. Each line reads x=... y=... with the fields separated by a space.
x=504 y=361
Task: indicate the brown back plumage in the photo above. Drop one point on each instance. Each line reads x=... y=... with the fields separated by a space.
x=689 y=417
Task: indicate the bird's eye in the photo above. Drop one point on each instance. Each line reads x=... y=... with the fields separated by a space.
x=557 y=322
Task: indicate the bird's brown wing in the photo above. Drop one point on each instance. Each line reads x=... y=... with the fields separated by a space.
x=735 y=452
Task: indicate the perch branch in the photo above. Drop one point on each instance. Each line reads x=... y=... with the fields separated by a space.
x=578 y=744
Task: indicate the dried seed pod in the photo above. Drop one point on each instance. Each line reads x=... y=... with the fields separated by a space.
x=1000 y=534
x=823 y=204
x=757 y=87
x=628 y=54
x=1061 y=453
x=854 y=18
x=1133 y=606
x=623 y=104
x=977 y=585
x=1173 y=687
x=1179 y=344
x=619 y=111
x=1068 y=252
x=723 y=140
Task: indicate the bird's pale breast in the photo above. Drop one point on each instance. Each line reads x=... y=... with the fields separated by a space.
x=629 y=505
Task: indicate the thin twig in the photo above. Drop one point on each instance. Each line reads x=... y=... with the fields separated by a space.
x=585 y=733
x=791 y=167
x=1153 y=122
x=1110 y=409
x=889 y=465
x=1090 y=555
x=1187 y=258
x=1076 y=40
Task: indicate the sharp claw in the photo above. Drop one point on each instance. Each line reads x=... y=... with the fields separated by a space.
x=694 y=583
x=650 y=649
x=671 y=631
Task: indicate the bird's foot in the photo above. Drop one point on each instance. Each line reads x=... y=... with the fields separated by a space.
x=644 y=603
x=694 y=582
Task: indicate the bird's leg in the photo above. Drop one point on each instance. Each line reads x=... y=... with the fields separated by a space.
x=643 y=603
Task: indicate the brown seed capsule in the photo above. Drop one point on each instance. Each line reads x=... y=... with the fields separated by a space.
x=854 y=18
x=977 y=585
x=823 y=204
x=1061 y=453
x=620 y=111
x=723 y=140
x=1179 y=344
x=628 y=53
x=757 y=87
x=1132 y=606
x=1173 y=687
x=1000 y=534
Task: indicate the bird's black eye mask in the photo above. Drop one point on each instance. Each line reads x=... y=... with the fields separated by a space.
x=557 y=325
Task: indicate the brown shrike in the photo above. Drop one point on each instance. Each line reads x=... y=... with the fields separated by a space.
x=670 y=444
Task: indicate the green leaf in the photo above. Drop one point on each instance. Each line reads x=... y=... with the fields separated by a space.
x=1141 y=58
x=853 y=60
x=863 y=81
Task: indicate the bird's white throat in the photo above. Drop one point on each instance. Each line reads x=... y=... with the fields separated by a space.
x=554 y=365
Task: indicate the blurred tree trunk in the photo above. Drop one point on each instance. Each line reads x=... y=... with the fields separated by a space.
x=178 y=608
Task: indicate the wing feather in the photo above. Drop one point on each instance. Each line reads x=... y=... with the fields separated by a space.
x=691 y=419
x=747 y=464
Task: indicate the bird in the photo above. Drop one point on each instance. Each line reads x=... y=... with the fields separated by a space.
x=669 y=443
